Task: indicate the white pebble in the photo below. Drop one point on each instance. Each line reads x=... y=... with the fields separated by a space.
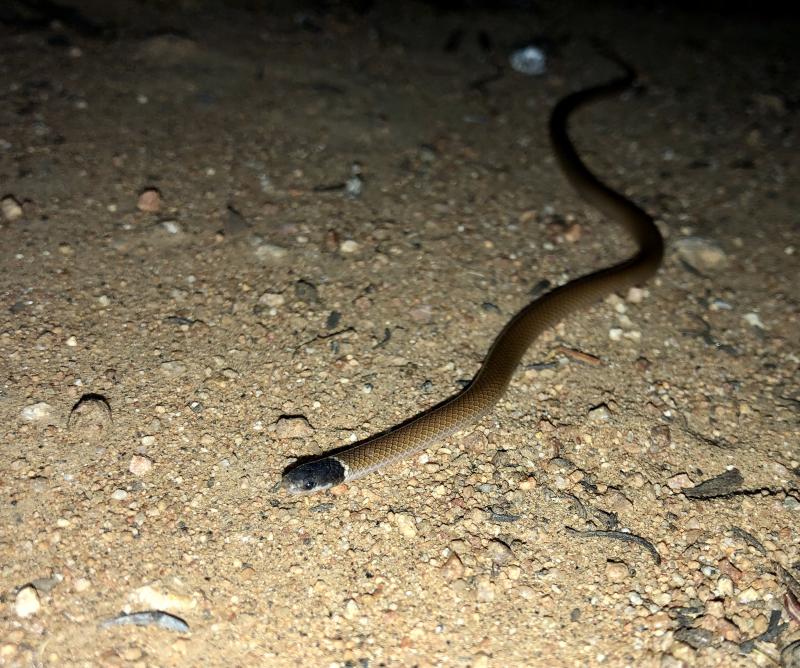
x=270 y=252
x=349 y=246
x=11 y=208
x=39 y=412
x=701 y=254
x=140 y=465
x=72 y=342
x=615 y=334
x=350 y=609
x=273 y=299
x=27 y=602
x=635 y=295
x=171 y=226
x=406 y=525
x=753 y=320
x=119 y=495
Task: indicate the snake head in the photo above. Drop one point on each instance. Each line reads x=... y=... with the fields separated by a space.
x=314 y=476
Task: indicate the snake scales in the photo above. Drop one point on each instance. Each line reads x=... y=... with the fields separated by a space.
x=489 y=384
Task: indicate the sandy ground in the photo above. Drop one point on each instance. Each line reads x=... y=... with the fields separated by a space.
x=343 y=222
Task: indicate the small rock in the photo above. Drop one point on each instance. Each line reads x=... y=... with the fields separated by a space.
x=484 y=589
x=149 y=200
x=599 y=413
x=679 y=482
x=39 y=412
x=724 y=586
x=170 y=226
x=702 y=255
x=11 y=208
x=615 y=334
x=422 y=313
x=173 y=368
x=573 y=233
x=695 y=638
x=480 y=660
x=753 y=320
x=406 y=525
x=350 y=609
x=453 y=568
x=349 y=246
x=81 y=585
x=635 y=295
x=749 y=595
x=272 y=299
x=269 y=252
x=156 y=596
x=499 y=552
x=26 y=603
x=293 y=427
x=617 y=571
x=140 y=465
x=119 y=495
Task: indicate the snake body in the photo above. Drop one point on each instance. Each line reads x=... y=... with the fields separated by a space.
x=490 y=383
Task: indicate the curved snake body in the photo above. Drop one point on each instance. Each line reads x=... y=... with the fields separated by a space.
x=489 y=384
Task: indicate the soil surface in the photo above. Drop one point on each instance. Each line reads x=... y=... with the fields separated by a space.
x=233 y=239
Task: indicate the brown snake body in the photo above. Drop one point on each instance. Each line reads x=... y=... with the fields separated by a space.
x=489 y=384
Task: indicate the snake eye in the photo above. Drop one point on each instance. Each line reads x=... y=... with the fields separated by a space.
x=308 y=485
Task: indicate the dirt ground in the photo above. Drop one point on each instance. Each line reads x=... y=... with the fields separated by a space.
x=232 y=239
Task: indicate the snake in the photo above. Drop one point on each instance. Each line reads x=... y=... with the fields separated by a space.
x=477 y=399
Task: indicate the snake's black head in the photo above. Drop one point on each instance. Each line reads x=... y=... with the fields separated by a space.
x=314 y=476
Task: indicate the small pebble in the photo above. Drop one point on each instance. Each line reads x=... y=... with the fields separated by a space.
x=615 y=334
x=753 y=320
x=149 y=200
x=349 y=246
x=272 y=299
x=749 y=595
x=599 y=414
x=529 y=60
x=11 y=208
x=635 y=295
x=39 y=412
x=350 y=609
x=617 y=571
x=170 y=226
x=140 y=465
x=406 y=525
x=724 y=586
x=81 y=585
x=702 y=255
x=119 y=495
x=26 y=603
x=173 y=368
x=453 y=568
x=160 y=597
x=265 y=251
x=679 y=482
x=293 y=427
x=499 y=552
x=485 y=589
